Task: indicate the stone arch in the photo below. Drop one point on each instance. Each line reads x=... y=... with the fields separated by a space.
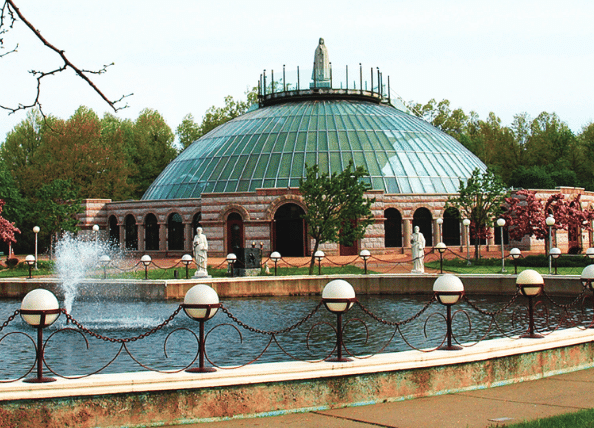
x=131 y=232
x=175 y=231
x=151 y=232
x=423 y=218
x=392 y=228
x=234 y=232
x=451 y=227
x=282 y=200
x=289 y=230
x=231 y=208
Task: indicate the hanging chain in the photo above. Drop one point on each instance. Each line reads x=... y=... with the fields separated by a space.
x=271 y=333
x=396 y=323
x=125 y=340
x=567 y=306
x=10 y=319
x=494 y=313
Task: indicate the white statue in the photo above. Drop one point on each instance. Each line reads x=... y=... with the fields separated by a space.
x=321 y=71
x=418 y=251
x=200 y=252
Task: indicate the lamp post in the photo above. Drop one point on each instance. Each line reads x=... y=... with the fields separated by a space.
x=275 y=257
x=186 y=260
x=30 y=260
x=201 y=303
x=531 y=285
x=319 y=256
x=104 y=261
x=338 y=296
x=587 y=279
x=36 y=231
x=590 y=253
x=365 y=254
x=146 y=261
x=231 y=259
x=515 y=253
x=466 y=223
x=96 y=232
x=550 y=221
x=501 y=223
x=440 y=225
x=441 y=247
x=40 y=309
x=555 y=254
x=448 y=290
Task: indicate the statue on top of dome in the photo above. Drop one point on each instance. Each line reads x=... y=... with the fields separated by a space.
x=321 y=71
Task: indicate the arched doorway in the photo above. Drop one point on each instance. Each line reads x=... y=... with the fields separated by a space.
x=392 y=228
x=234 y=233
x=451 y=227
x=196 y=222
x=422 y=218
x=151 y=233
x=114 y=231
x=131 y=233
x=175 y=232
x=289 y=231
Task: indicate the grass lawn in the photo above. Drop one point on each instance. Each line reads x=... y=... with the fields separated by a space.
x=580 y=419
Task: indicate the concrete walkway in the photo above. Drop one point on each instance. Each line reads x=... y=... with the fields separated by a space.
x=473 y=409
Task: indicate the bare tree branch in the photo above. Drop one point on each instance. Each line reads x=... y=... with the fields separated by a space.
x=7 y=12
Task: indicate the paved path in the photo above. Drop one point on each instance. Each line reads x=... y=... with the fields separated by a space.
x=474 y=409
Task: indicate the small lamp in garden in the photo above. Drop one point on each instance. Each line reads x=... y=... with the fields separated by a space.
x=319 y=256
x=146 y=261
x=40 y=309
x=590 y=253
x=186 y=260
x=531 y=285
x=96 y=231
x=275 y=257
x=555 y=254
x=550 y=221
x=104 y=260
x=441 y=248
x=201 y=303
x=231 y=259
x=338 y=296
x=36 y=230
x=515 y=254
x=439 y=222
x=448 y=290
x=466 y=223
x=365 y=254
x=30 y=260
x=501 y=224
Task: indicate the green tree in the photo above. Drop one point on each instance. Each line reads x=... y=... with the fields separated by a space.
x=56 y=206
x=336 y=207
x=188 y=131
x=15 y=205
x=216 y=116
x=479 y=199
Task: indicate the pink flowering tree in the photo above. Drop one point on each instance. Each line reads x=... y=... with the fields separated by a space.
x=7 y=229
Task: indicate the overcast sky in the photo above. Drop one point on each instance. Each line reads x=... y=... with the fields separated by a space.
x=181 y=57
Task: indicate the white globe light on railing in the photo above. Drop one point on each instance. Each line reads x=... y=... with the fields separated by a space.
x=365 y=254
x=448 y=290
x=555 y=253
x=275 y=257
x=590 y=253
x=338 y=296
x=104 y=260
x=40 y=309
x=515 y=254
x=201 y=303
x=30 y=260
x=146 y=261
x=319 y=256
x=186 y=260
x=231 y=259
x=531 y=285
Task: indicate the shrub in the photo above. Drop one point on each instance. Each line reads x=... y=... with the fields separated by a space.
x=12 y=262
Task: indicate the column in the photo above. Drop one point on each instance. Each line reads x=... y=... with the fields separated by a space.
x=406 y=232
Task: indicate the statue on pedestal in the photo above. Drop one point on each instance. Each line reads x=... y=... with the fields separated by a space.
x=321 y=71
x=418 y=251
x=200 y=253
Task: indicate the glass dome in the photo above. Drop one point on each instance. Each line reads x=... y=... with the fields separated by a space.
x=270 y=146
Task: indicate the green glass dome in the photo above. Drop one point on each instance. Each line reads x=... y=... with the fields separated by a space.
x=270 y=146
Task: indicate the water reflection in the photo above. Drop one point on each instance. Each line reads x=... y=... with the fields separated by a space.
x=229 y=344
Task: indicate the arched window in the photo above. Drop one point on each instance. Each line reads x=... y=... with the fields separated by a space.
x=175 y=232
x=151 y=233
x=392 y=228
x=422 y=218
x=289 y=231
x=131 y=233
x=196 y=222
x=235 y=239
x=451 y=227
x=114 y=230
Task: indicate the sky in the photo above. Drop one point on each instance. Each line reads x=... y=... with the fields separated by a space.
x=183 y=56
